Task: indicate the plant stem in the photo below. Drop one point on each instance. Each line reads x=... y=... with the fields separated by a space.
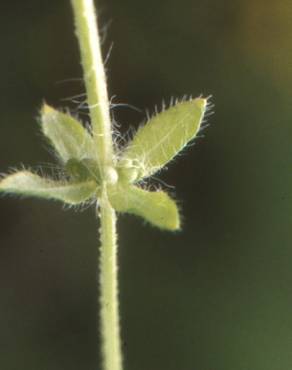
x=95 y=79
x=97 y=97
x=109 y=288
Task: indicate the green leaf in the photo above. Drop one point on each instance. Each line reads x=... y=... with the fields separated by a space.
x=69 y=138
x=162 y=137
x=28 y=184
x=83 y=170
x=155 y=207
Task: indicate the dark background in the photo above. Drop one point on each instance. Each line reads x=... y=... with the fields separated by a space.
x=216 y=296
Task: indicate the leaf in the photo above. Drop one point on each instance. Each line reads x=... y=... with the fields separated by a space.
x=162 y=137
x=67 y=135
x=26 y=183
x=155 y=207
x=82 y=170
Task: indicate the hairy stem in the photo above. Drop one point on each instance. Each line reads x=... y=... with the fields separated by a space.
x=109 y=288
x=95 y=81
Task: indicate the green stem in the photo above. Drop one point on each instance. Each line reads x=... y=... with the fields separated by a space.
x=109 y=288
x=95 y=81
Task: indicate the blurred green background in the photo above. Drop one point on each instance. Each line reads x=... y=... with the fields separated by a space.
x=216 y=296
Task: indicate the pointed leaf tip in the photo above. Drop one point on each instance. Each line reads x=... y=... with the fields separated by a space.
x=46 y=109
x=164 y=136
x=69 y=138
x=201 y=102
x=155 y=207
